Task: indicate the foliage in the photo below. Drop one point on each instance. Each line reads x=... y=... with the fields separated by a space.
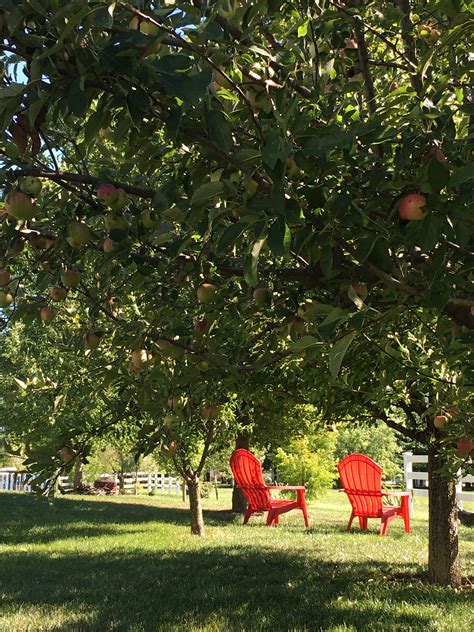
x=267 y=149
x=308 y=461
x=378 y=442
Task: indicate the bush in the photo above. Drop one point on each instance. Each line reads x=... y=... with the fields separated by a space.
x=308 y=461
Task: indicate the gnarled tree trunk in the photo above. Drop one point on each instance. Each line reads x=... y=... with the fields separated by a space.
x=239 y=502
x=195 y=506
x=443 y=549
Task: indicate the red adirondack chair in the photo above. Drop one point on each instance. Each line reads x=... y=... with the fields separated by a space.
x=361 y=478
x=247 y=473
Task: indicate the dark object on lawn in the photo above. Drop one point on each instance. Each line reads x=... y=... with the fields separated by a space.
x=466 y=518
x=106 y=485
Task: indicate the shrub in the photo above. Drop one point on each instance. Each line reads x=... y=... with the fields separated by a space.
x=308 y=461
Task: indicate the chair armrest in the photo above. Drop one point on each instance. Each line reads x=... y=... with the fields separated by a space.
x=286 y=487
x=396 y=494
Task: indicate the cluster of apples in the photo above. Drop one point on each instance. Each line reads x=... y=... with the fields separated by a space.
x=429 y=32
x=465 y=446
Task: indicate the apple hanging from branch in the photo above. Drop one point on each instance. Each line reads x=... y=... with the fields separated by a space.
x=410 y=207
x=20 y=205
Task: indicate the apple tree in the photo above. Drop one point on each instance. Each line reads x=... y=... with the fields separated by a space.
x=197 y=160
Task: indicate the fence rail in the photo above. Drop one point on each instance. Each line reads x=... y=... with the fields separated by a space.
x=13 y=480
x=410 y=459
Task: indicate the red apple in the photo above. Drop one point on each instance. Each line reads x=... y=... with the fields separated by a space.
x=6 y=299
x=440 y=421
x=465 y=446
x=108 y=245
x=5 y=277
x=70 y=278
x=207 y=293
x=58 y=293
x=410 y=207
x=201 y=326
x=210 y=411
x=47 y=314
x=20 y=205
x=107 y=194
x=393 y=86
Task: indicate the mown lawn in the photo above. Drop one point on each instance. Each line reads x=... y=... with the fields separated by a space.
x=129 y=563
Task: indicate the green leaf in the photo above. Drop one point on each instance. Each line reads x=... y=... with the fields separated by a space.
x=432 y=229
x=325 y=260
x=230 y=235
x=279 y=237
x=207 y=192
x=337 y=353
x=438 y=174
x=304 y=343
x=220 y=129
x=462 y=175
x=251 y=263
x=77 y=101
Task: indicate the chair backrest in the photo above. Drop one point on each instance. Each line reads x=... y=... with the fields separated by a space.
x=361 y=478
x=247 y=472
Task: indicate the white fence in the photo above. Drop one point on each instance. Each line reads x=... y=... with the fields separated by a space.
x=409 y=459
x=15 y=481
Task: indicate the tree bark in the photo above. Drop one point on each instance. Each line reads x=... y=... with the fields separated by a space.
x=78 y=474
x=195 y=506
x=443 y=548
x=239 y=502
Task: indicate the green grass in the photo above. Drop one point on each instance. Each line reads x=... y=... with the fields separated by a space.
x=130 y=563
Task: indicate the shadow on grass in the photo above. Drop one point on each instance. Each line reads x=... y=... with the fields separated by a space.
x=234 y=588
x=241 y=589
x=62 y=518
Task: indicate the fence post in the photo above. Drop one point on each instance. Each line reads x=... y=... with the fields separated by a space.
x=408 y=469
x=459 y=489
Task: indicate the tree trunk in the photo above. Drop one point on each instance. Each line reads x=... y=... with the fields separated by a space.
x=239 y=502
x=78 y=474
x=443 y=549
x=195 y=506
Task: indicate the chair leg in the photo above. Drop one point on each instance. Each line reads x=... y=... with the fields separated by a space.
x=363 y=522
x=406 y=514
x=302 y=501
x=383 y=526
x=350 y=521
x=270 y=519
x=248 y=513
